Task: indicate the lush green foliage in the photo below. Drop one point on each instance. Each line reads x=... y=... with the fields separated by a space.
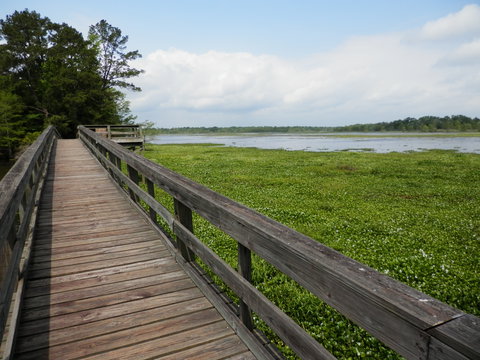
x=425 y=123
x=51 y=75
x=413 y=216
x=12 y=125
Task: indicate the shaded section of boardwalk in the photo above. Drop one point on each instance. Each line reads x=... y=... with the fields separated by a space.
x=101 y=282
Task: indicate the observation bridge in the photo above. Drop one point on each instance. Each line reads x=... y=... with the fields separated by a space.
x=93 y=266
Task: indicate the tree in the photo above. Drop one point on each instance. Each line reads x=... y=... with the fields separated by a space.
x=12 y=124
x=61 y=78
x=72 y=91
x=114 y=61
x=51 y=68
x=22 y=55
x=117 y=108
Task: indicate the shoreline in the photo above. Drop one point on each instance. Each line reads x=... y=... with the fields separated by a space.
x=326 y=134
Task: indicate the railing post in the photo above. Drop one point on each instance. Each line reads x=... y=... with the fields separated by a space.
x=184 y=214
x=133 y=174
x=118 y=163
x=245 y=269
x=101 y=149
x=114 y=160
x=141 y=136
x=109 y=156
x=6 y=252
x=151 y=192
x=24 y=201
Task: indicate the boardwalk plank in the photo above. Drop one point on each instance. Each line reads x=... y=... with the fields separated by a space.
x=99 y=248
x=83 y=284
x=106 y=312
x=247 y=355
x=227 y=347
x=169 y=344
x=66 y=270
x=84 y=241
x=121 y=338
x=118 y=297
x=93 y=330
x=64 y=221
x=151 y=248
x=86 y=234
x=69 y=229
x=60 y=281
x=109 y=288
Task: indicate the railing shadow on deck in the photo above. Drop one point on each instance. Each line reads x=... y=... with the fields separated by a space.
x=20 y=192
x=42 y=246
x=413 y=324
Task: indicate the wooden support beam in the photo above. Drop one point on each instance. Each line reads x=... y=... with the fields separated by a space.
x=134 y=176
x=184 y=215
x=245 y=270
x=151 y=192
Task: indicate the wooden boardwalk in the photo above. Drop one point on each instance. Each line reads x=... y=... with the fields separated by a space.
x=103 y=285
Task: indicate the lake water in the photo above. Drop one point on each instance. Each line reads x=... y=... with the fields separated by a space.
x=378 y=143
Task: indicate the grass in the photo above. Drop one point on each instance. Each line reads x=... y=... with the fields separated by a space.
x=413 y=216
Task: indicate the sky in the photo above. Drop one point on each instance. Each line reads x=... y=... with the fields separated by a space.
x=289 y=63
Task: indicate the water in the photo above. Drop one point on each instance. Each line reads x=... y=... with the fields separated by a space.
x=378 y=143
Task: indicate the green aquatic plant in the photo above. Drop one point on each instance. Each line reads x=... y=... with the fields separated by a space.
x=413 y=216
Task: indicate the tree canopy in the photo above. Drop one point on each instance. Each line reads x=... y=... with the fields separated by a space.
x=111 y=46
x=51 y=74
x=422 y=124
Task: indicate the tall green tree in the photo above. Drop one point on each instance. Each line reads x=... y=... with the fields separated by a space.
x=12 y=123
x=72 y=88
x=62 y=78
x=110 y=44
x=22 y=55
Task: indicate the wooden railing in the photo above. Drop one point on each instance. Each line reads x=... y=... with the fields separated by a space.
x=414 y=324
x=20 y=191
x=125 y=135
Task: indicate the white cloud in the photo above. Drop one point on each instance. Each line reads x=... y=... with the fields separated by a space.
x=464 y=22
x=366 y=79
x=467 y=54
x=213 y=81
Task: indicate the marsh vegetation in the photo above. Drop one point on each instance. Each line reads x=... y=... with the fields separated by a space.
x=413 y=216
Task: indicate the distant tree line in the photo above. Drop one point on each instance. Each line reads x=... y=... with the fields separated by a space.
x=51 y=74
x=239 y=130
x=423 y=124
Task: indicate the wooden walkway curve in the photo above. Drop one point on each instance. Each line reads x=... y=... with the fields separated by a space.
x=103 y=285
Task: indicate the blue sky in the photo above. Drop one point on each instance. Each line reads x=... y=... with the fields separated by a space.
x=319 y=63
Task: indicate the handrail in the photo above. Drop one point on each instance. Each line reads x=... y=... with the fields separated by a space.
x=410 y=322
x=127 y=135
x=19 y=195
x=112 y=131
